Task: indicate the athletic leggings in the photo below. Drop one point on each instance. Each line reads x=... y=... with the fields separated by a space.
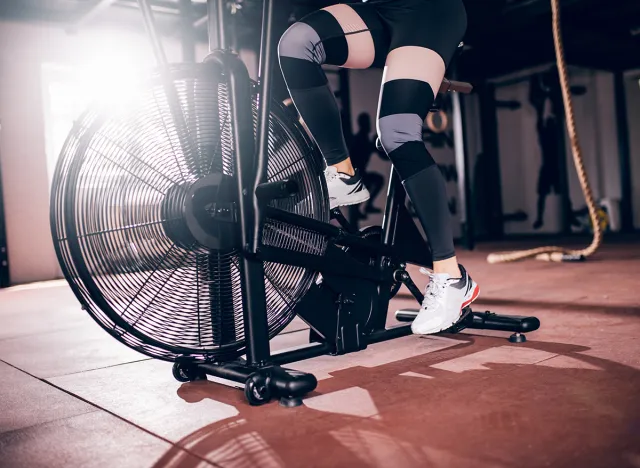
x=414 y=40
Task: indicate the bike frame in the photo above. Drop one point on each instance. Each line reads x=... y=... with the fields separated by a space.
x=250 y=158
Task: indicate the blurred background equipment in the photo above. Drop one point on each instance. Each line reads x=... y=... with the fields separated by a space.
x=547 y=178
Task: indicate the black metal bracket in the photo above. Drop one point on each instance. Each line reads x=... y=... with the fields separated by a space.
x=349 y=327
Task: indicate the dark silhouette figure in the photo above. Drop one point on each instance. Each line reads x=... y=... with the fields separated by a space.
x=548 y=129
x=361 y=148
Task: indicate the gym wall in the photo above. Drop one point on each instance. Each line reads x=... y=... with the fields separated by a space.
x=30 y=54
x=632 y=88
x=520 y=154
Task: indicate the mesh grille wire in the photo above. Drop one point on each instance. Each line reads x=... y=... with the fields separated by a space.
x=118 y=187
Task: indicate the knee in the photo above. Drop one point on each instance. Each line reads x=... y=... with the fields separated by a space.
x=397 y=129
x=401 y=137
x=301 y=41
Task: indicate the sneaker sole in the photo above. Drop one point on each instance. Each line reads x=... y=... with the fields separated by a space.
x=474 y=296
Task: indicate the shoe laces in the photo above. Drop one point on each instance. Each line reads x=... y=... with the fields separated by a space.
x=331 y=174
x=435 y=289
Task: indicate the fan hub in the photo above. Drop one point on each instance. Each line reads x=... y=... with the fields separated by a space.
x=210 y=212
x=203 y=214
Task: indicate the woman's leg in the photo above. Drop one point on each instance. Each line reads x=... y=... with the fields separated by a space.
x=423 y=41
x=343 y=35
x=411 y=75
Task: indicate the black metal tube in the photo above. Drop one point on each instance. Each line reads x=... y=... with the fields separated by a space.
x=264 y=79
x=338 y=235
x=156 y=44
x=300 y=354
x=275 y=190
x=302 y=221
x=221 y=18
x=490 y=321
x=406 y=315
x=252 y=269
x=389 y=334
x=215 y=24
x=484 y=321
x=411 y=286
x=395 y=197
x=342 y=221
x=234 y=371
x=255 y=312
x=348 y=267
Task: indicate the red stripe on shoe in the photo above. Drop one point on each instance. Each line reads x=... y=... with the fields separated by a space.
x=474 y=296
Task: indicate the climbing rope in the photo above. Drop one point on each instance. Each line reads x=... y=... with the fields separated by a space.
x=553 y=253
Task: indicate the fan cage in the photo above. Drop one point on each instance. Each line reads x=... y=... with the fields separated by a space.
x=118 y=188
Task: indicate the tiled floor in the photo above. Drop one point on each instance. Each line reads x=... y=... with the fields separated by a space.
x=71 y=396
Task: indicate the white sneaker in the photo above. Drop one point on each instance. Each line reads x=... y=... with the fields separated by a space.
x=345 y=189
x=444 y=299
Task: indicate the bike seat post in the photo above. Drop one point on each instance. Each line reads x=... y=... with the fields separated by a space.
x=216 y=23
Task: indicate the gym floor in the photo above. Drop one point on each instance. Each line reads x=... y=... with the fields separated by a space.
x=71 y=396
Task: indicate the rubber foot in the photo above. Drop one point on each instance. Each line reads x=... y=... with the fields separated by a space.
x=517 y=338
x=290 y=402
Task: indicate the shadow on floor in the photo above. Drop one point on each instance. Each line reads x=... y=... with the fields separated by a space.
x=485 y=403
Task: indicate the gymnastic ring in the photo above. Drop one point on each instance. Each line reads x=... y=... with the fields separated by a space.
x=444 y=121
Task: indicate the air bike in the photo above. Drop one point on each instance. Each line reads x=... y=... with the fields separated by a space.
x=193 y=225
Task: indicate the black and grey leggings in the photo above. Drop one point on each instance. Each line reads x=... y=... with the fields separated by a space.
x=414 y=40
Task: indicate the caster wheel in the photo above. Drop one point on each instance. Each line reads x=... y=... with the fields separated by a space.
x=257 y=390
x=184 y=373
x=179 y=372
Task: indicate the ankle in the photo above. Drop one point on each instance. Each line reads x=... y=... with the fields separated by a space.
x=345 y=167
x=448 y=266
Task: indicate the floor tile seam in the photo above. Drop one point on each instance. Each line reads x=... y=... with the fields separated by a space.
x=99 y=368
x=44 y=423
x=96 y=410
x=104 y=410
